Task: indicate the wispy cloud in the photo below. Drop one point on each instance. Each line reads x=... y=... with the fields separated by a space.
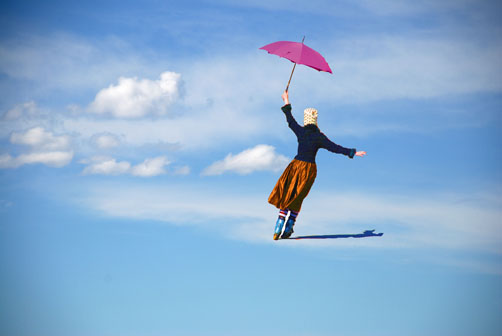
x=20 y=110
x=151 y=167
x=258 y=158
x=182 y=170
x=384 y=67
x=68 y=62
x=410 y=7
x=105 y=140
x=109 y=166
x=439 y=221
x=56 y=159
x=356 y=8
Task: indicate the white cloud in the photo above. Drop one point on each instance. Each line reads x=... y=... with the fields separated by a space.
x=38 y=137
x=53 y=159
x=134 y=98
x=106 y=141
x=190 y=132
x=150 y=167
x=56 y=159
x=20 y=110
x=452 y=222
x=45 y=148
x=258 y=158
x=107 y=167
x=382 y=67
x=442 y=229
x=177 y=204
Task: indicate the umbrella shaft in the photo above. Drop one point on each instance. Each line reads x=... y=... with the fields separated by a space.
x=294 y=66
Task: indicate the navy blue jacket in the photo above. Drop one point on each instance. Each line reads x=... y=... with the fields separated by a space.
x=310 y=139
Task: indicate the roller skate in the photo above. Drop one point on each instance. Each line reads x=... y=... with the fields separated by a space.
x=278 y=228
x=288 y=231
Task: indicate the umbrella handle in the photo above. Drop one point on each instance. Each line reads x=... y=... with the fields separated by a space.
x=287 y=87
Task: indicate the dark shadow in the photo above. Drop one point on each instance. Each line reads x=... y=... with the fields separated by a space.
x=367 y=233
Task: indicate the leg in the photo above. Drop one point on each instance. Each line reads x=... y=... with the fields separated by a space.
x=289 y=225
x=280 y=223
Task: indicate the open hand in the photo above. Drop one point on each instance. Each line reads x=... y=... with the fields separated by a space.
x=361 y=153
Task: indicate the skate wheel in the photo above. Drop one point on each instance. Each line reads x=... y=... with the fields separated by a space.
x=276 y=236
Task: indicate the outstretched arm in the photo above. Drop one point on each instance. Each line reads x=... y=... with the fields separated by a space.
x=333 y=147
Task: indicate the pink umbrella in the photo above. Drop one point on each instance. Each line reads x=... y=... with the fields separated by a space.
x=298 y=53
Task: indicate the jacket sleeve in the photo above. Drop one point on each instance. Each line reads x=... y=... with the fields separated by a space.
x=291 y=120
x=333 y=147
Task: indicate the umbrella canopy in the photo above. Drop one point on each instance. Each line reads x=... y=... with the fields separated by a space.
x=298 y=53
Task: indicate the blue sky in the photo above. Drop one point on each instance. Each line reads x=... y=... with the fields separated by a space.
x=139 y=142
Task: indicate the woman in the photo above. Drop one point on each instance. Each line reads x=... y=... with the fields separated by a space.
x=297 y=179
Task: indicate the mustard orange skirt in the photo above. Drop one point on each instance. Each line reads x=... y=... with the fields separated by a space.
x=293 y=185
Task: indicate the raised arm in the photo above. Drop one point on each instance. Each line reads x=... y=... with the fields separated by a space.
x=289 y=116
